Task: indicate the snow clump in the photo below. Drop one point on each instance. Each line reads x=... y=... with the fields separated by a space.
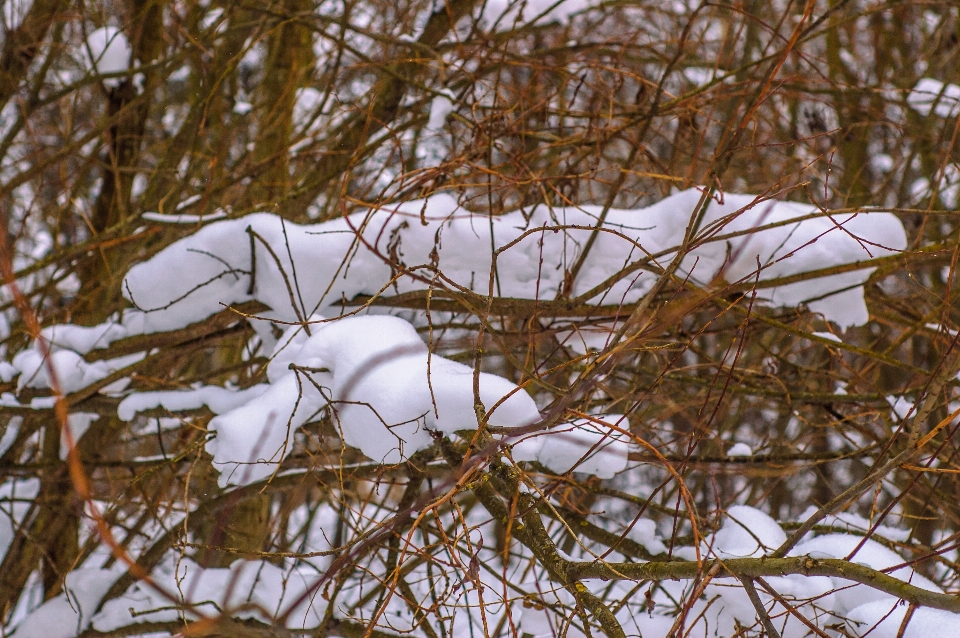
x=109 y=51
x=203 y=272
x=386 y=392
x=933 y=96
x=375 y=376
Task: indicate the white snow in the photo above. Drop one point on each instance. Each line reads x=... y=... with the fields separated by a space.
x=14 y=11
x=109 y=51
x=372 y=372
x=374 y=376
x=183 y=218
x=900 y=407
x=509 y=14
x=871 y=554
x=213 y=266
x=213 y=18
x=385 y=393
x=933 y=96
x=7 y=372
x=644 y=532
x=10 y=432
x=858 y=525
x=79 y=423
x=244 y=588
x=376 y=380
x=828 y=336
x=15 y=499
x=746 y=532
x=218 y=399
x=70 y=613
x=305 y=109
x=82 y=339
x=883 y=618
x=252 y=439
x=71 y=370
x=701 y=76
x=441 y=107
x=8 y=399
x=580 y=446
x=740 y=449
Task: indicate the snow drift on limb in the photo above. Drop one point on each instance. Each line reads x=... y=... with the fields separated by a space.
x=386 y=393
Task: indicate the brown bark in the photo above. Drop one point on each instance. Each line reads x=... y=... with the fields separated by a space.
x=288 y=62
x=23 y=43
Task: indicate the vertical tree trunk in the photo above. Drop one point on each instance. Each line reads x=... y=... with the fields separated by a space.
x=246 y=526
x=22 y=44
x=289 y=58
x=129 y=103
x=852 y=184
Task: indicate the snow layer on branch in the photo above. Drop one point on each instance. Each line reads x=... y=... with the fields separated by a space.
x=250 y=589
x=218 y=399
x=67 y=344
x=71 y=370
x=644 y=532
x=15 y=499
x=884 y=618
x=740 y=449
x=306 y=270
x=581 y=446
x=254 y=438
x=82 y=339
x=503 y=15
x=933 y=96
x=262 y=590
x=440 y=107
x=857 y=524
x=374 y=370
x=747 y=532
x=70 y=613
x=183 y=218
x=870 y=553
x=385 y=391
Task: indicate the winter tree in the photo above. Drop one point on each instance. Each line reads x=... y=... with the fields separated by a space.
x=478 y=318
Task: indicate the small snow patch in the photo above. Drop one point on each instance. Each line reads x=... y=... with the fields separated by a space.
x=740 y=449
x=108 y=52
x=829 y=336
